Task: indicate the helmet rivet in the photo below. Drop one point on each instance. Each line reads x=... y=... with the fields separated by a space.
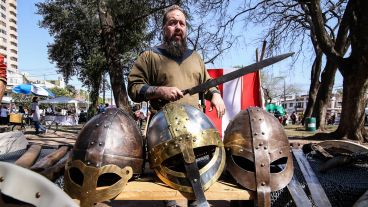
x=260 y=119
x=261 y=144
x=176 y=117
x=194 y=139
x=187 y=119
x=241 y=150
x=97 y=125
x=263 y=184
x=228 y=149
x=180 y=138
x=263 y=133
x=255 y=134
x=252 y=119
x=88 y=163
x=38 y=195
x=195 y=180
x=105 y=126
x=256 y=147
x=280 y=152
x=176 y=129
x=176 y=145
x=165 y=145
x=100 y=143
x=265 y=147
x=92 y=143
x=262 y=164
x=1 y=179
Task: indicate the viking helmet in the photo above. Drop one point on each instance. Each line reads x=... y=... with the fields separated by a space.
x=179 y=135
x=108 y=151
x=258 y=153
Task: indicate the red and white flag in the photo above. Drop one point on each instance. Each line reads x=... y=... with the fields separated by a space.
x=238 y=95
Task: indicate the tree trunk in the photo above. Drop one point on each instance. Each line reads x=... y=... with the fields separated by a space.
x=324 y=94
x=315 y=84
x=109 y=40
x=355 y=73
x=93 y=96
x=354 y=101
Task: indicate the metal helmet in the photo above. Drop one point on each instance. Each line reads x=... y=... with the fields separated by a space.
x=108 y=151
x=179 y=135
x=258 y=153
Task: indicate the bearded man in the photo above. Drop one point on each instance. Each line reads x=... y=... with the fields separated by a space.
x=161 y=72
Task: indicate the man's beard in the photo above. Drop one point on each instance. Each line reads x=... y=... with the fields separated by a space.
x=175 y=48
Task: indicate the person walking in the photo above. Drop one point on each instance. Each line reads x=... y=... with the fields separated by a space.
x=35 y=109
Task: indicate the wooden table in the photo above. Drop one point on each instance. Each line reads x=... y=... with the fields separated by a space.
x=148 y=190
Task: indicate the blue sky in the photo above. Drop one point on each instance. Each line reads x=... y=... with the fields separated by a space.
x=33 y=56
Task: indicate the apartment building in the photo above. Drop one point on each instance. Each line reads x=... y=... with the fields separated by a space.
x=9 y=34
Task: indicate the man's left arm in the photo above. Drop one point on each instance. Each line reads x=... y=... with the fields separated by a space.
x=213 y=95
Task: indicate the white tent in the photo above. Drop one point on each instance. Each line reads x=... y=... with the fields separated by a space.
x=61 y=100
x=64 y=100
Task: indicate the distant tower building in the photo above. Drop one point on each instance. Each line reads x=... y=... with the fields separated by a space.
x=9 y=34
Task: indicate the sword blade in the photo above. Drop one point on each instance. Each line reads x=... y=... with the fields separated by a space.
x=236 y=74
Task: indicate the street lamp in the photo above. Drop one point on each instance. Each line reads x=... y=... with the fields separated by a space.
x=283 y=78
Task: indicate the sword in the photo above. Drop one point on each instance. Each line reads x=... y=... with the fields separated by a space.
x=236 y=74
x=158 y=103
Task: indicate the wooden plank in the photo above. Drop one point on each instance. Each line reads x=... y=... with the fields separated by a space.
x=220 y=190
x=29 y=157
x=318 y=194
x=299 y=196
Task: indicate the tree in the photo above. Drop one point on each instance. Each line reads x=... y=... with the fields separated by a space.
x=353 y=68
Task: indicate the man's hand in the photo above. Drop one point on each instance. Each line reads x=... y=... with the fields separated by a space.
x=218 y=103
x=168 y=93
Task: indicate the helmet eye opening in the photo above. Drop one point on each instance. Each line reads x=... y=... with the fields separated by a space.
x=76 y=175
x=203 y=157
x=278 y=165
x=107 y=179
x=244 y=163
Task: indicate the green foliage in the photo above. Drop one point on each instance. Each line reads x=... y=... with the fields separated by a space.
x=68 y=91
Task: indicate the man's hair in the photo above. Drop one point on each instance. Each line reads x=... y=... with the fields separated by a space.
x=169 y=9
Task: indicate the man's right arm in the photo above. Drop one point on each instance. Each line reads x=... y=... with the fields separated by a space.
x=138 y=79
x=141 y=89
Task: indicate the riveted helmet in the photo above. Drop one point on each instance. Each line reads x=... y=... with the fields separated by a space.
x=182 y=138
x=258 y=153
x=108 y=151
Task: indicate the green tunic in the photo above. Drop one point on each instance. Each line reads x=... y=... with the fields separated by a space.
x=157 y=68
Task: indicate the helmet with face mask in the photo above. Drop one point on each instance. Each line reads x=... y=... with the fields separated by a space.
x=108 y=151
x=185 y=149
x=258 y=153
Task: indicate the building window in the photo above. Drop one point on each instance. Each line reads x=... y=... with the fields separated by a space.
x=14 y=66
x=2 y=23
x=3 y=15
x=13 y=5
x=13 y=20
x=2 y=47
x=13 y=43
x=3 y=7
x=2 y=31
x=13 y=36
x=13 y=59
x=4 y=39
x=14 y=51
x=13 y=13
x=13 y=28
x=291 y=104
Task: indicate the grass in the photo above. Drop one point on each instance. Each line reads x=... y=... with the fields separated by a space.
x=300 y=131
